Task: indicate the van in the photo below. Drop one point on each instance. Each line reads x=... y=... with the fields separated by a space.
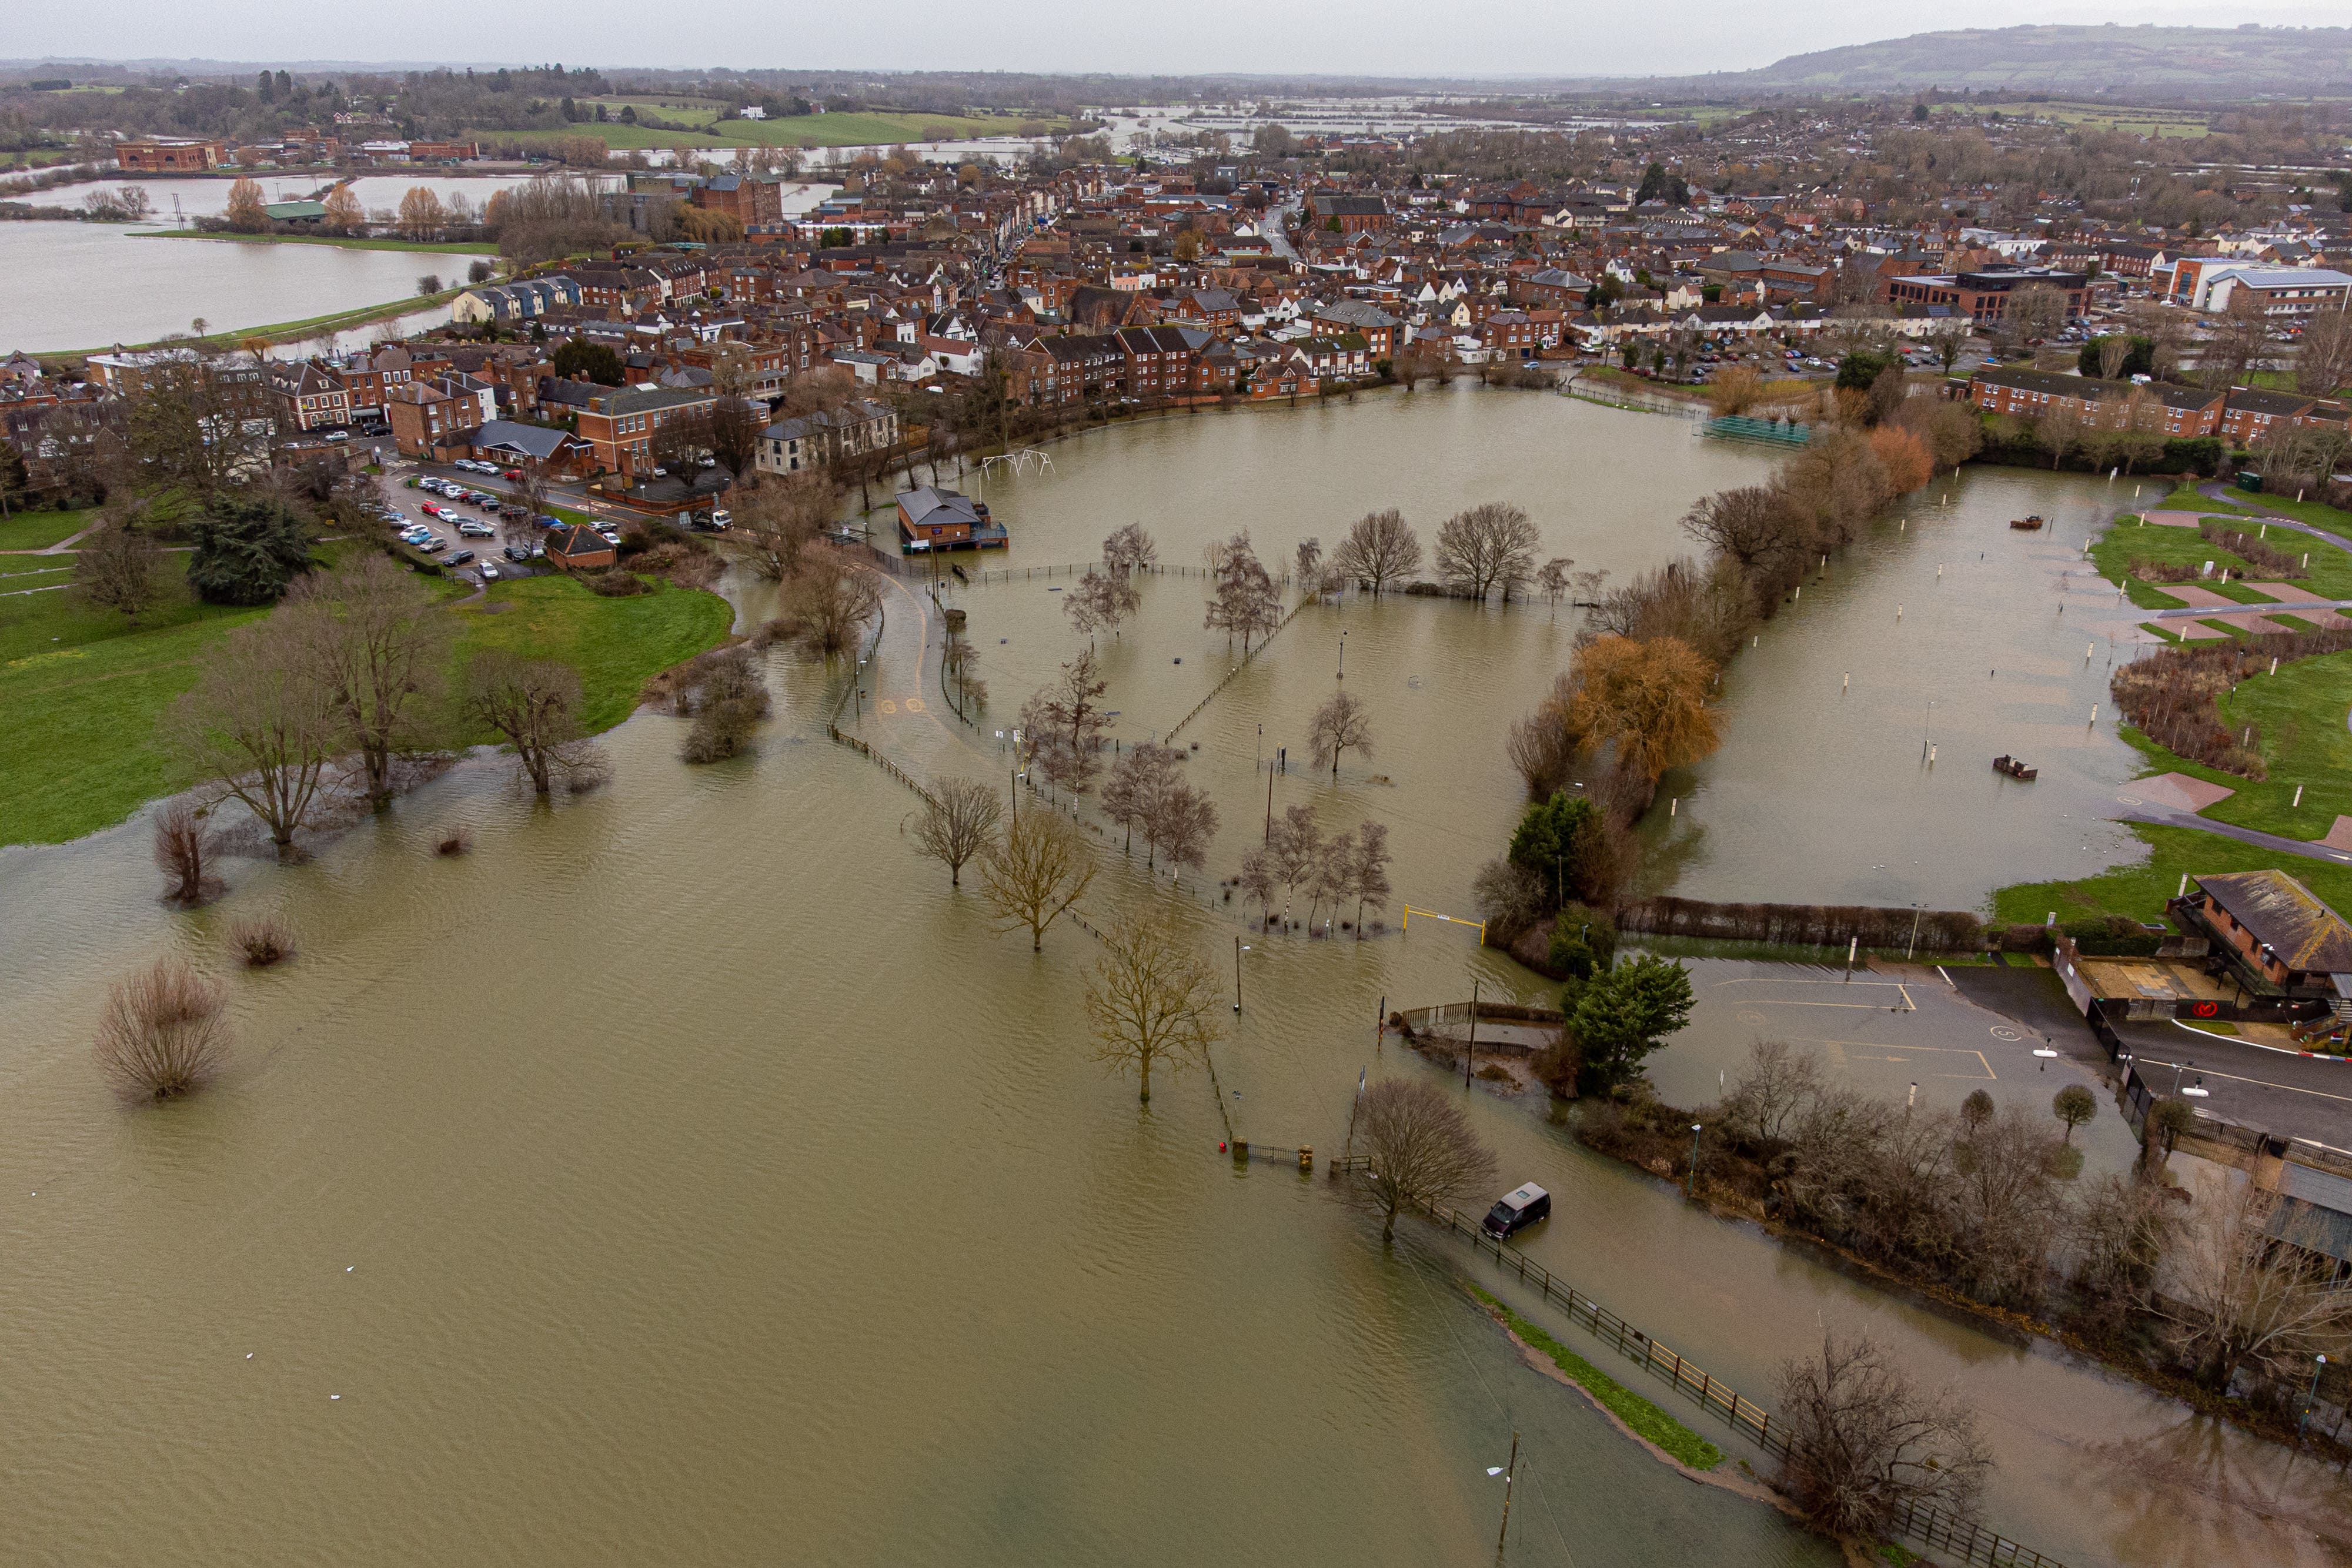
x=1517 y=1209
x=720 y=519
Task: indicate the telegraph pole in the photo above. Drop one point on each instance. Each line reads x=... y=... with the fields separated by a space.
x=1509 y=1475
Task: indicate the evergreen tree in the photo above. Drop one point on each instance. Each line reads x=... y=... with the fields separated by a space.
x=248 y=548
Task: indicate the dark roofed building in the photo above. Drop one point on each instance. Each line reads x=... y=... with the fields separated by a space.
x=578 y=547
x=2275 y=935
x=931 y=518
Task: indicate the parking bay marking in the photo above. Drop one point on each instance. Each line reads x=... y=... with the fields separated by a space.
x=1842 y=1053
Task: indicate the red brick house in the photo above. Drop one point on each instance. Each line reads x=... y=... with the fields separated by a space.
x=578 y=548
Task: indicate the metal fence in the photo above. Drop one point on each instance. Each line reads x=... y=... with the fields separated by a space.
x=1923 y=1522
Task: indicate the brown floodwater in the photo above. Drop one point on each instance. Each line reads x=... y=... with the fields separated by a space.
x=687 y=1173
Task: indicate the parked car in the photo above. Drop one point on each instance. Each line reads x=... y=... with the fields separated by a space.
x=610 y=536
x=459 y=557
x=512 y=476
x=490 y=571
x=429 y=545
x=474 y=530
x=516 y=553
x=1516 y=1210
x=545 y=521
x=337 y=435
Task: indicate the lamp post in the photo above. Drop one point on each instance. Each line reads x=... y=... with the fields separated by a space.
x=1690 y=1182
x=2308 y=1399
x=1238 y=951
x=1343 y=656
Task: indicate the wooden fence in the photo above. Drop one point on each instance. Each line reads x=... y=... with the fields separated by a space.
x=833 y=725
x=1923 y=1522
x=1170 y=738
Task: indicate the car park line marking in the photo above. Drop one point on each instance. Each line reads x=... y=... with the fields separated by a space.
x=1842 y=1051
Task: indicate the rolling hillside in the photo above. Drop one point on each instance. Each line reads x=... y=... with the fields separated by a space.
x=2188 y=62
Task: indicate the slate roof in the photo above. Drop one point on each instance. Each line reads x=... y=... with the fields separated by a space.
x=2286 y=917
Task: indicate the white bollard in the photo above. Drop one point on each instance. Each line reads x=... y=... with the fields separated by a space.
x=2298 y=796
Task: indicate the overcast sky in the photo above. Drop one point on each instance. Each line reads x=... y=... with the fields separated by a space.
x=1400 y=38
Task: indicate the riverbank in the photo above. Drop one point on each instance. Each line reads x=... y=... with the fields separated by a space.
x=275 y=332
x=338 y=242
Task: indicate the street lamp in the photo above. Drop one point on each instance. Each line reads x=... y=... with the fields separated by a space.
x=2307 y=1401
x=1240 y=947
x=1690 y=1184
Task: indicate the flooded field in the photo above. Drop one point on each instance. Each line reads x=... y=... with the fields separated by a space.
x=686 y=1172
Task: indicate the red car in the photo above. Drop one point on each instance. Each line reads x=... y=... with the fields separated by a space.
x=513 y=475
x=430 y=510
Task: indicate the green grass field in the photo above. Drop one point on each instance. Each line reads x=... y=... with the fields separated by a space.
x=2127 y=543
x=39 y=530
x=2305 y=742
x=880 y=127
x=617 y=644
x=2139 y=891
x=2132 y=122
x=83 y=692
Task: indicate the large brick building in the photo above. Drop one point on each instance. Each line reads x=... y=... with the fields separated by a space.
x=1983 y=297
x=168 y=156
x=2177 y=411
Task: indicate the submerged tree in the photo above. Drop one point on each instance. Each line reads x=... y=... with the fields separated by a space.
x=185 y=847
x=1380 y=551
x=370 y=635
x=1419 y=1148
x=1340 y=724
x=1152 y=999
x=535 y=705
x=1865 y=1443
x=161 y=1034
x=958 y=823
x=1490 y=546
x=1036 y=872
x=260 y=727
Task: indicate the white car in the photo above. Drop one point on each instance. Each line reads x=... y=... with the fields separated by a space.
x=474 y=530
x=489 y=573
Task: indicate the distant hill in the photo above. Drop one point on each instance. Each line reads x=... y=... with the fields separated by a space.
x=2183 y=62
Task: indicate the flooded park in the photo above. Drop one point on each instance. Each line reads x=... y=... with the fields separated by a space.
x=688 y=1172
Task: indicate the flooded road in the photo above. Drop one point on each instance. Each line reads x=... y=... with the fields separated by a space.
x=686 y=1172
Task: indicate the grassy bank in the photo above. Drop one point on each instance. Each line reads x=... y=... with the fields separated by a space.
x=2139 y=891
x=340 y=242
x=83 y=692
x=283 y=331
x=2129 y=543
x=1620 y=1401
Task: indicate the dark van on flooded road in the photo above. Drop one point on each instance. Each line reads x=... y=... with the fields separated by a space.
x=1517 y=1209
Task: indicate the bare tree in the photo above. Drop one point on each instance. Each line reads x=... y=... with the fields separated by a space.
x=827 y=604
x=735 y=427
x=960 y=667
x=1180 y=825
x=1552 y=578
x=1864 y=1442
x=535 y=705
x=1130 y=549
x=1152 y=1000
x=777 y=518
x=161 y=1034
x=2323 y=358
x=1293 y=844
x=1380 y=551
x=115 y=569
x=1777 y=1084
x=2250 y=1287
x=1101 y=600
x=1419 y=1148
x=1340 y=724
x=184 y=846
x=1369 y=878
x=259 y=727
x=1036 y=871
x=727 y=700
x=1137 y=779
x=1310 y=561
x=2036 y=311
x=1243 y=600
x=2117 y=1233
x=370 y=635
x=1257 y=880
x=1063 y=724
x=1333 y=875
x=1489 y=547
x=1753 y=525
x=960 y=822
